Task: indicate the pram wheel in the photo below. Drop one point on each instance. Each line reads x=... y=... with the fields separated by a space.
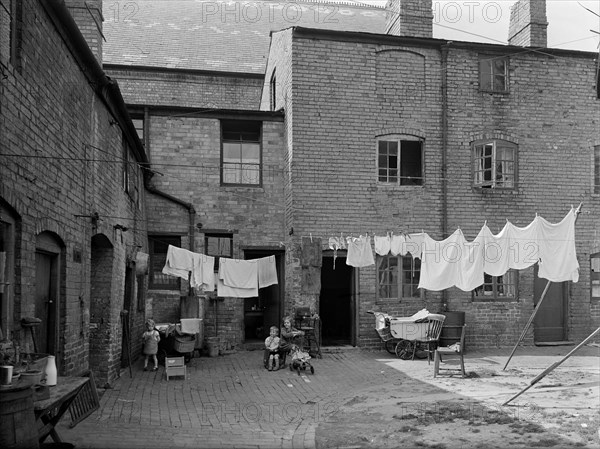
x=404 y=349
x=390 y=345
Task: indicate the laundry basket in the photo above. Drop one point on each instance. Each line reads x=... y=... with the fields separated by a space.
x=184 y=343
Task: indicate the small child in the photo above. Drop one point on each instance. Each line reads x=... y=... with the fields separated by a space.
x=150 y=338
x=272 y=346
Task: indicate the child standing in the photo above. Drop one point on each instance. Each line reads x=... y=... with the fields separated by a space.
x=150 y=338
x=272 y=346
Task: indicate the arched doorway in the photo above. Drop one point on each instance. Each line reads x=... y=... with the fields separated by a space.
x=48 y=265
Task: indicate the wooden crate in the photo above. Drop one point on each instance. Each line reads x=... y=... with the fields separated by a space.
x=174 y=366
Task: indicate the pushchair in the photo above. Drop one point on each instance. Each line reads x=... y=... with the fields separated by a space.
x=300 y=360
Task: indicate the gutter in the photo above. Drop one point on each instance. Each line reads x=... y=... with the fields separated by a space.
x=444 y=53
x=105 y=87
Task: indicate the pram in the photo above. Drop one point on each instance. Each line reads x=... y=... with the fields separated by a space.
x=300 y=360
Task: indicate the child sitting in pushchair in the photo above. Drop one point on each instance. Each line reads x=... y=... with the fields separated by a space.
x=300 y=360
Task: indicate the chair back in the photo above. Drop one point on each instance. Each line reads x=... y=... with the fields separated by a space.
x=462 y=338
x=436 y=321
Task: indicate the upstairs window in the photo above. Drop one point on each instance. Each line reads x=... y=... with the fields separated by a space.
x=398 y=277
x=493 y=74
x=494 y=164
x=9 y=18
x=400 y=162
x=158 y=246
x=241 y=153
x=497 y=288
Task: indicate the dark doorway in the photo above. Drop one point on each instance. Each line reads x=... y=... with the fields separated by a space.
x=266 y=310
x=549 y=321
x=336 y=305
x=47 y=296
x=127 y=318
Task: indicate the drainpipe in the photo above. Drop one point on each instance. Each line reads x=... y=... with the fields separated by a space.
x=444 y=54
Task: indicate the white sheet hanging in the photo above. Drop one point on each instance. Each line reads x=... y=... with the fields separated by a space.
x=558 y=258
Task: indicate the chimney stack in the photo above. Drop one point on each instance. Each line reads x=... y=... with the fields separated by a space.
x=528 y=24
x=409 y=18
x=88 y=17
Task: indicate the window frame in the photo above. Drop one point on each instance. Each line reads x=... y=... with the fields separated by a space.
x=399 y=169
x=245 y=127
x=487 y=61
x=14 y=13
x=218 y=235
x=382 y=267
x=596 y=167
x=492 y=184
x=494 y=296
x=594 y=275
x=174 y=283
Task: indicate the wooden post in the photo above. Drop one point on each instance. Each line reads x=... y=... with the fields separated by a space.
x=553 y=366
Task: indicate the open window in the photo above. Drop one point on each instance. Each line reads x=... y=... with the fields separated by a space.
x=494 y=164
x=493 y=74
x=400 y=161
x=497 y=288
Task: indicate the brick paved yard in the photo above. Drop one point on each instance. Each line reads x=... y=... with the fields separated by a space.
x=231 y=401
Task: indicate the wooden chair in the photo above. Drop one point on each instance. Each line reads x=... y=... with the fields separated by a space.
x=434 y=329
x=174 y=366
x=451 y=352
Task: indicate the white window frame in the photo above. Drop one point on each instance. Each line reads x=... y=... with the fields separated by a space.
x=501 y=171
x=490 y=75
x=399 y=278
x=400 y=179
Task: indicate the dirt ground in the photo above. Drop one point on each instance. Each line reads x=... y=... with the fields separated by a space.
x=560 y=410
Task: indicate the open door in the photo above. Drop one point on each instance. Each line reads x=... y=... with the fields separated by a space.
x=266 y=310
x=337 y=307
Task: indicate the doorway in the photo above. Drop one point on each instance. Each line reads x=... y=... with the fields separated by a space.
x=336 y=302
x=264 y=311
x=127 y=318
x=47 y=288
x=549 y=321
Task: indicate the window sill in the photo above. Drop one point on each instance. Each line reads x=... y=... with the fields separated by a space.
x=382 y=185
x=492 y=299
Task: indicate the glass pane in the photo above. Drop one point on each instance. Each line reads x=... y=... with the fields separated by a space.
x=231 y=173
x=393 y=147
x=251 y=152
x=485 y=75
x=232 y=152
x=382 y=161
x=499 y=66
x=250 y=174
x=499 y=82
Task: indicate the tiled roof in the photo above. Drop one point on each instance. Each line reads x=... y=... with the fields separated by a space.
x=229 y=36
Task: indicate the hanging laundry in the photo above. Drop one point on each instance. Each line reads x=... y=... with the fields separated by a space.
x=312 y=253
x=441 y=261
x=360 y=252
x=398 y=245
x=336 y=243
x=267 y=271
x=179 y=262
x=414 y=244
x=470 y=272
x=141 y=263
x=382 y=244
x=523 y=250
x=496 y=248
x=203 y=273
x=239 y=273
x=558 y=258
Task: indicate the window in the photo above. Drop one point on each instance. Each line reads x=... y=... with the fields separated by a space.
x=138 y=123
x=9 y=18
x=159 y=245
x=497 y=287
x=595 y=275
x=400 y=162
x=218 y=245
x=494 y=164
x=597 y=169
x=8 y=222
x=398 y=277
x=493 y=74
x=241 y=153
x=125 y=166
x=273 y=87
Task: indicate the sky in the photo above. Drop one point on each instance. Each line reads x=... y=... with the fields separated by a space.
x=569 y=24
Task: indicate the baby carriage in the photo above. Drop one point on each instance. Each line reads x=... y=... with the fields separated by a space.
x=300 y=360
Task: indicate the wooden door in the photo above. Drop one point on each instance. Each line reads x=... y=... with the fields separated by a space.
x=549 y=322
x=46 y=301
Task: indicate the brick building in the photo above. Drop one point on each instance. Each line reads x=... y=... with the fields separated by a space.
x=320 y=98
x=72 y=202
